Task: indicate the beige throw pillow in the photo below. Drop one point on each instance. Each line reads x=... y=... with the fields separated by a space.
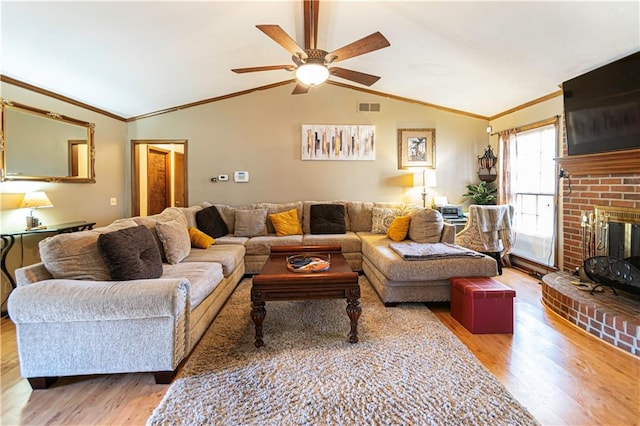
x=250 y=223
x=175 y=240
x=426 y=226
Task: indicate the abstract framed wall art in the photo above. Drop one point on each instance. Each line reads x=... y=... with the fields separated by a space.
x=416 y=148
x=338 y=142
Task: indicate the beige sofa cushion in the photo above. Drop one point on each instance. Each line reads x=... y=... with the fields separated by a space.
x=425 y=226
x=203 y=278
x=359 y=213
x=350 y=242
x=190 y=214
x=262 y=245
x=227 y=255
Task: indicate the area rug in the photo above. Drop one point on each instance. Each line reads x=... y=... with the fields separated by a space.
x=407 y=368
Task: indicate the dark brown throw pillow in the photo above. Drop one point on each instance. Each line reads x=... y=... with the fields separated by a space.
x=131 y=254
x=327 y=219
x=211 y=223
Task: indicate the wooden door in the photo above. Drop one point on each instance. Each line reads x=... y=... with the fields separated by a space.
x=141 y=179
x=158 y=180
x=179 y=187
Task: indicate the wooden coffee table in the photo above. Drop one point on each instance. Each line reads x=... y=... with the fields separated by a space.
x=275 y=282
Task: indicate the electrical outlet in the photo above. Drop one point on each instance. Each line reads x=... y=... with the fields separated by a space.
x=114 y=201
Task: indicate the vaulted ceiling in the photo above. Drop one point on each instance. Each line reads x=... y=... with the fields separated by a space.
x=134 y=58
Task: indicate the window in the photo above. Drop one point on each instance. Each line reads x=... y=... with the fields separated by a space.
x=533 y=191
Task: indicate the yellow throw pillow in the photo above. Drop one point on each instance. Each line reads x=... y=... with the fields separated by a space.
x=199 y=239
x=399 y=227
x=286 y=223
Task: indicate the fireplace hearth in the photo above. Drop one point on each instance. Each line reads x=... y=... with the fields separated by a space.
x=613 y=319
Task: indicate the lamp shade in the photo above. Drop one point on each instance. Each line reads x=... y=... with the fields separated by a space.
x=425 y=178
x=35 y=200
x=430 y=180
x=312 y=74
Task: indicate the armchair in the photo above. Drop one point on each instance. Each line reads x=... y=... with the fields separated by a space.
x=489 y=231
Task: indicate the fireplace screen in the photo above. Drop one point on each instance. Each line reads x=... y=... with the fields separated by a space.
x=616 y=231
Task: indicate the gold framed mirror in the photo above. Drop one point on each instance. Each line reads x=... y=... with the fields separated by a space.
x=38 y=145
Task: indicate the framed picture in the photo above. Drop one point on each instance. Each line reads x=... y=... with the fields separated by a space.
x=416 y=148
x=338 y=142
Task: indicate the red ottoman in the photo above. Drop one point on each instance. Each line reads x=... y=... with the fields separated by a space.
x=482 y=304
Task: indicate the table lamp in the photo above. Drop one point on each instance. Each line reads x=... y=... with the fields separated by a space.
x=34 y=201
x=428 y=181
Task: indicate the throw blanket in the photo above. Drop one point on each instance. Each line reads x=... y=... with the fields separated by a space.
x=494 y=224
x=420 y=251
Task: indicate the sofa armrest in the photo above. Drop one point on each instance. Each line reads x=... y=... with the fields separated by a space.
x=448 y=234
x=74 y=300
x=32 y=274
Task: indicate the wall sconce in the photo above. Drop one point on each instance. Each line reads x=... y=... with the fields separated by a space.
x=34 y=201
x=425 y=179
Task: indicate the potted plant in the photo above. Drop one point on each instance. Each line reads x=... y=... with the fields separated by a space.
x=482 y=193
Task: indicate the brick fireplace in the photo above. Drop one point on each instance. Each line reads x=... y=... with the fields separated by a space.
x=595 y=181
x=606 y=180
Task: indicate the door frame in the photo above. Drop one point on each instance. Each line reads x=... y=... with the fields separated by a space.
x=135 y=168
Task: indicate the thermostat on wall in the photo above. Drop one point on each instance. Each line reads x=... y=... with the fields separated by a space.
x=241 y=176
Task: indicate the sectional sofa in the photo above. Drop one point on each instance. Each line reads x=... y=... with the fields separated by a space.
x=136 y=295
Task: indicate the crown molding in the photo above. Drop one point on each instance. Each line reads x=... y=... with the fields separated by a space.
x=36 y=89
x=527 y=104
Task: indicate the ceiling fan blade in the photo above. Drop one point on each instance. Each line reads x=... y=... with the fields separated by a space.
x=278 y=35
x=357 y=76
x=264 y=68
x=367 y=44
x=300 y=89
x=311 y=13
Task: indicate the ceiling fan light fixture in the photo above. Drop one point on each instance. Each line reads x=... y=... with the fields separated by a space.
x=312 y=74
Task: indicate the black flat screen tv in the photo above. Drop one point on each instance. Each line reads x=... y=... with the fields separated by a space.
x=602 y=108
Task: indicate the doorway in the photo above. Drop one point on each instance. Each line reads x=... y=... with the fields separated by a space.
x=159 y=175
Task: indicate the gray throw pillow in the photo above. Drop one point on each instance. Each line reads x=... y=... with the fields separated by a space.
x=131 y=254
x=327 y=219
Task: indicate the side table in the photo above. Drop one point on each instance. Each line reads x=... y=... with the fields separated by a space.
x=9 y=239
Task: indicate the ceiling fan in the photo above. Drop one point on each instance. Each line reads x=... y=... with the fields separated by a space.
x=312 y=65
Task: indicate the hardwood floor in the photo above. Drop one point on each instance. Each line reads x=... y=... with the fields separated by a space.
x=563 y=375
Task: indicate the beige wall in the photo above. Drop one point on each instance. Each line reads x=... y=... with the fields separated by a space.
x=260 y=133
x=72 y=201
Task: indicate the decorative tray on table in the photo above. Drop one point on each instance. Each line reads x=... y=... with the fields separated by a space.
x=308 y=262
